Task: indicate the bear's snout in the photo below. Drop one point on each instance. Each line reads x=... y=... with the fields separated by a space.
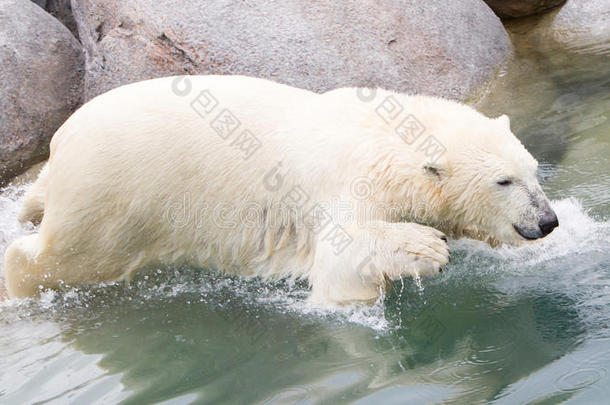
x=548 y=221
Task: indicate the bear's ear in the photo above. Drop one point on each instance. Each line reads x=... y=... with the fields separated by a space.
x=504 y=120
x=434 y=169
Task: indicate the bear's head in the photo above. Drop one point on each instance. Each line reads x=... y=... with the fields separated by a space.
x=484 y=183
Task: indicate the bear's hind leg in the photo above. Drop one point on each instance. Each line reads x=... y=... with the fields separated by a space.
x=23 y=270
x=31 y=266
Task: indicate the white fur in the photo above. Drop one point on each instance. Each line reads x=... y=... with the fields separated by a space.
x=137 y=177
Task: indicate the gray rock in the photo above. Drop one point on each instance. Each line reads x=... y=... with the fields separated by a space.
x=62 y=10
x=582 y=25
x=521 y=8
x=445 y=48
x=579 y=26
x=41 y=76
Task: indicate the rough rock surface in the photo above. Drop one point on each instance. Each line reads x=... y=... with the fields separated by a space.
x=521 y=8
x=438 y=47
x=62 y=10
x=41 y=76
x=582 y=25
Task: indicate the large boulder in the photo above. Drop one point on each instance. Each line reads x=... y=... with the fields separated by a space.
x=579 y=26
x=521 y=8
x=582 y=25
x=41 y=76
x=445 y=48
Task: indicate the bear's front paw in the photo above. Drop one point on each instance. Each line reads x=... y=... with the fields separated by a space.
x=415 y=250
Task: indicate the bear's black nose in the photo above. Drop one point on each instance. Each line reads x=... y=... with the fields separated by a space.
x=548 y=221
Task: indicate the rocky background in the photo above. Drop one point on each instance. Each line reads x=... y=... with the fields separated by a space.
x=57 y=54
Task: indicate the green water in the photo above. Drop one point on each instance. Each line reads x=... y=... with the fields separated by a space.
x=527 y=325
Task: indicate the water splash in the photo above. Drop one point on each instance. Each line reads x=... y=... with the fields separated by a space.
x=578 y=233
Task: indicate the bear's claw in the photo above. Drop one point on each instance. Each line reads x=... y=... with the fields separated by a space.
x=414 y=250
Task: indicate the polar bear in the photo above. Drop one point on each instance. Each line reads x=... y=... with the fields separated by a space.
x=348 y=189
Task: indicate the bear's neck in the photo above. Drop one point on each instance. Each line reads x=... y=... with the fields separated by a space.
x=402 y=188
